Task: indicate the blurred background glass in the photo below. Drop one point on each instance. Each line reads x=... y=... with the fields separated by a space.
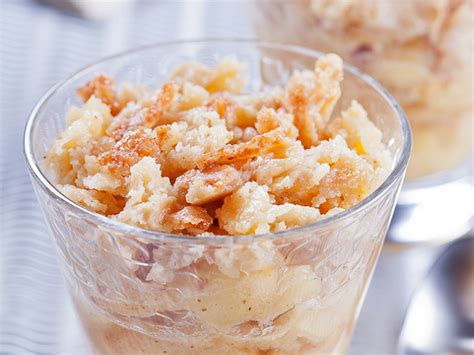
x=422 y=52
x=41 y=43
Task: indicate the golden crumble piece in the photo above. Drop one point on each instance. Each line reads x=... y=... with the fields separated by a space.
x=246 y=211
x=294 y=179
x=200 y=116
x=83 y=136
x=128 y=151
x=168 y=136
x=289 y=215
x=149 y=115
x=225 y=76
x=133 y=112
x=349 y=180
x=268 y=120
x=153 y=114
x=205 y=133
x=221 y=104
x=189 y=96
x=190 y=220
x=236 y=111
x=102 y=87
x=150 y=198
x=200 y=187
x=240 y=111
x=274 y=142
x=362 y=135
x=86 y=123
x=312 y=96
x=251 y=210
x=97 y=201
x=93 y=175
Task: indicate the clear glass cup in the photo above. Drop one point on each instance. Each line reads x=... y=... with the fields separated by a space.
x=421 y=51
x=297 y=291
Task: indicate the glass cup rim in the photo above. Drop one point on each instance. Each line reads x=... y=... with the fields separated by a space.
x=154 y=236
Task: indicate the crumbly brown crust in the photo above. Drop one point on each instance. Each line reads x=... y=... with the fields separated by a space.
x=200 y=157
x=102 y=87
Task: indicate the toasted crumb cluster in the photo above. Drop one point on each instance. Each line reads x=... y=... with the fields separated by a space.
x=200 y=157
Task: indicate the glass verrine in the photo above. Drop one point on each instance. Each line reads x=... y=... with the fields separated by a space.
x=297 y=291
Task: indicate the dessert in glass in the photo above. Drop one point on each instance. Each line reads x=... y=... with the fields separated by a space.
x=220 y=195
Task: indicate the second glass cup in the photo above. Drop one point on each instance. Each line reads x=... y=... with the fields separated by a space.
x=297 y=291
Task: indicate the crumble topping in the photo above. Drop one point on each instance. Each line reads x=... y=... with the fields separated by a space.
x=201 y=157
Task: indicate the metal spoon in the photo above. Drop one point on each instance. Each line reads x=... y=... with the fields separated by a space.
x=440 y=317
